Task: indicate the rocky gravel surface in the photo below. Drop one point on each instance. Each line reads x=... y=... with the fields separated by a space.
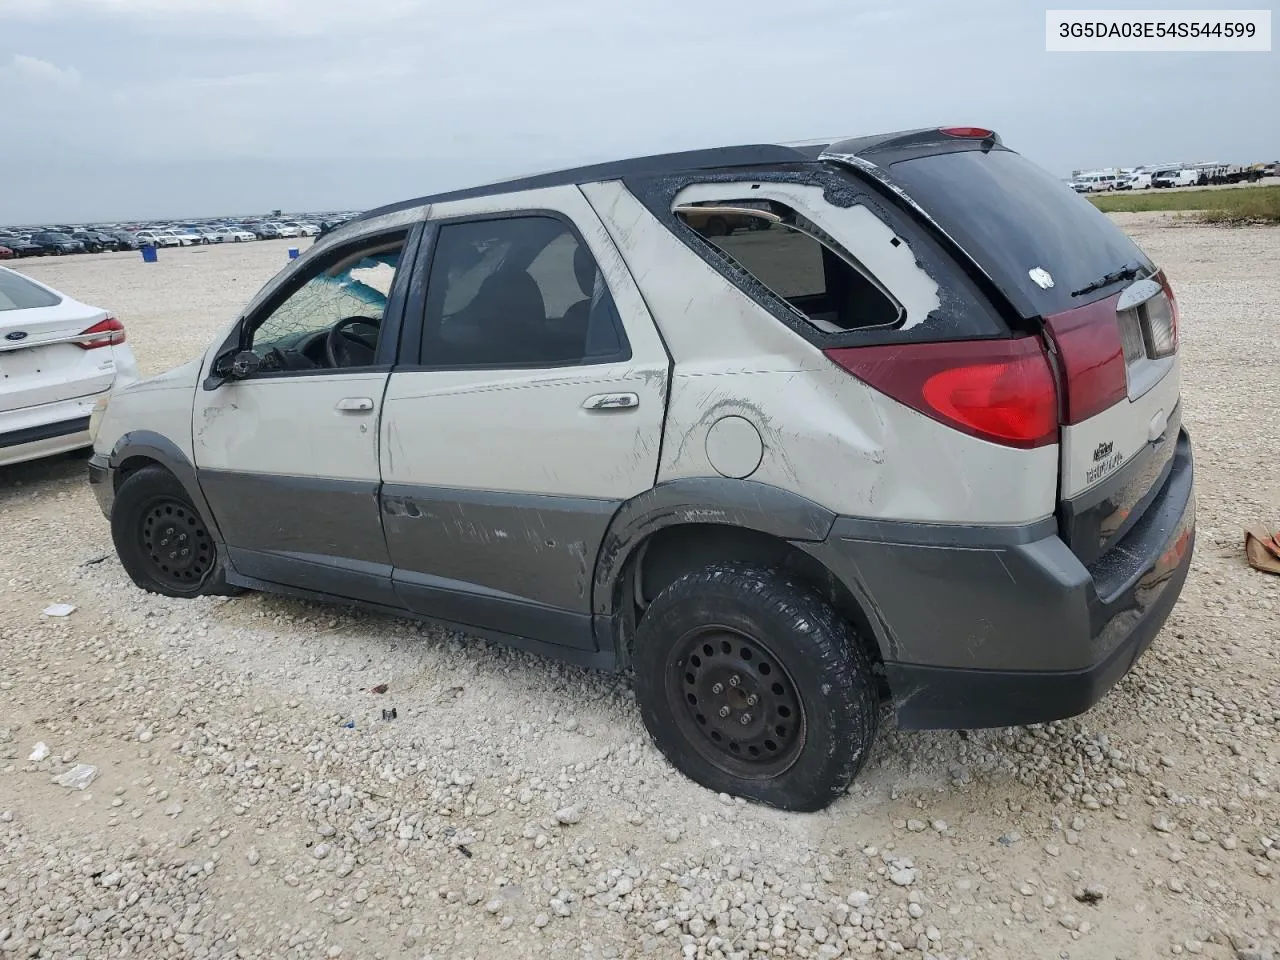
x=255 y=797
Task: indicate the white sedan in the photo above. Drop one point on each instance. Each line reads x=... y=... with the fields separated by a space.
x=58 y=358
x=233 y=235
x=159 y=238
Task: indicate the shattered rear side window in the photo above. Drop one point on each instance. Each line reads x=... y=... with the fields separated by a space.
x=802 y=267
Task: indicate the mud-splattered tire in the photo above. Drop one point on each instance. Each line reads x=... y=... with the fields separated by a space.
x=153 y=522
x=752 y=685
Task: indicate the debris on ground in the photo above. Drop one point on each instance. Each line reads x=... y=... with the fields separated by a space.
x=40 y=752
x=349 y=725
x=1262 y=547
x=59 y=610
x=380 y=688
x=389 y=714
x=78 y=777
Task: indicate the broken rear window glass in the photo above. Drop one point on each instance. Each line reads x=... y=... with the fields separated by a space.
x=796 y=262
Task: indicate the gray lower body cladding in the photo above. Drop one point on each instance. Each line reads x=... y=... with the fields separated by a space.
x=977 y=626
x=1004 y=626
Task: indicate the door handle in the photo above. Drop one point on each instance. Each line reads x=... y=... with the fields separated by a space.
x=354 y=405
x=611 y=401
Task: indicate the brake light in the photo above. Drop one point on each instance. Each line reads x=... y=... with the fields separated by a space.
x=104 y=333
x=972 y=133
x=1092 y=357
x=1002 y=391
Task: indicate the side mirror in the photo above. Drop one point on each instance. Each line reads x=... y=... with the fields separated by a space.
x=244 y=364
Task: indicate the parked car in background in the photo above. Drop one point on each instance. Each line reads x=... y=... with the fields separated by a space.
x=187 y=236
x=266 y=231
x=125 y=240
x=22 y=246
x=1095 y=182
x=964 y=495
x=158 y=238
x=1139 y=181
x=1175 y=178
x=57 y=243
x=233 y=235
x=6 y=253
x=58 y=357
x=108 y=239
x=286 y=230
x=92 y=243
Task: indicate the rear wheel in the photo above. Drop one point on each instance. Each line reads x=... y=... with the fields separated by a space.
x=162 y=540
x=751 y=684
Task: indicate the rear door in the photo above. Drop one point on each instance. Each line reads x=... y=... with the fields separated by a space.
x=50 y=345
x=526 y=406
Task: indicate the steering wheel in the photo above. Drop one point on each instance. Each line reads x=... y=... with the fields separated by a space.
x=344 y=348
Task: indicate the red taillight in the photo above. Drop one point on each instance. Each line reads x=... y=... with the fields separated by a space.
x=975 y=133
x=1092 y=356
x=998 y=390
x=104 y=333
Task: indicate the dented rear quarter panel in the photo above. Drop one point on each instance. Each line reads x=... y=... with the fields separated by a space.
x=825 y=434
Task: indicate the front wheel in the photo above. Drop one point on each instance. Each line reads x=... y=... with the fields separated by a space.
x=752 y=685
x=162 y=540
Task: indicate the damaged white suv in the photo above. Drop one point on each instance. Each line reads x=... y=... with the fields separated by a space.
x=912 y=435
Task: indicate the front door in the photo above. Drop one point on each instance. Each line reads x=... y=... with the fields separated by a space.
x=287 y=457
x=529 y=406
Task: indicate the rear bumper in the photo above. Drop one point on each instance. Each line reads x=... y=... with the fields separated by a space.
x=30 y=433
x=1004 y=626
x=47 y=440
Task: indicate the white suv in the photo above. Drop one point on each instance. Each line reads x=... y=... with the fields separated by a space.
x=918 y=438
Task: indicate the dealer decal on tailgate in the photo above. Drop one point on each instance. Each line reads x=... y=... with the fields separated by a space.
x=1104 y=461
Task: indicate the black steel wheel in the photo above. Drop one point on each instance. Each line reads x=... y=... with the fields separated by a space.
x=735 y=702
x=161 y=538
x=751 y=684
x=174 y=538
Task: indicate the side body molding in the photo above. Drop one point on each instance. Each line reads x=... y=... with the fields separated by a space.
x=157 y=447
x=745 y=504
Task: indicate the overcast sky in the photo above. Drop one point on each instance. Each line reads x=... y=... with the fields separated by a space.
x=137 y=108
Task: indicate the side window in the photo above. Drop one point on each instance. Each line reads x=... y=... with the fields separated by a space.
x=795 y=262
x=517 y=292
x=333 y=318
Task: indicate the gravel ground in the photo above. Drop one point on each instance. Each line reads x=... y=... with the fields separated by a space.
x=515 y=808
